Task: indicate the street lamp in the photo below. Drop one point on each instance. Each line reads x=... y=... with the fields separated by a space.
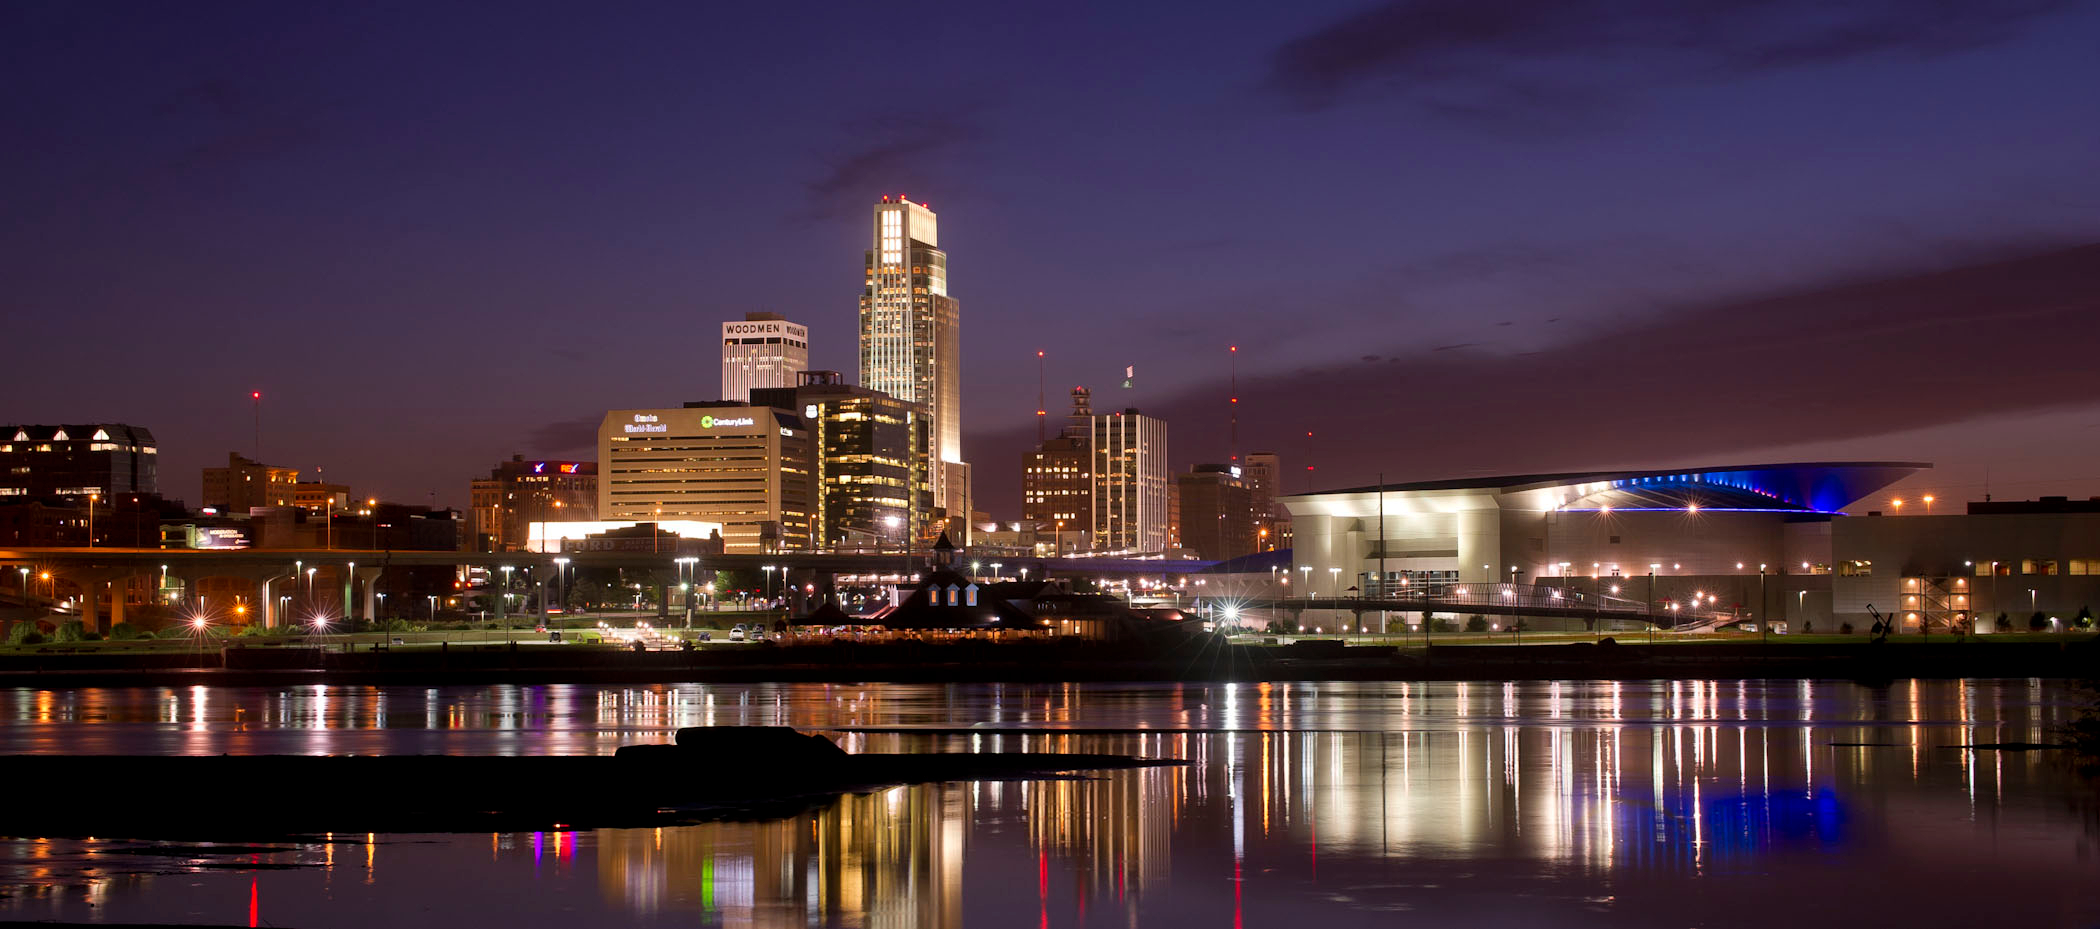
x=433 y=607
x=769 y=579
x=1307 y=570
x=995 y=570
x=1764 y=623
x=1336 y=575
x=561 y=583
x=91 y=518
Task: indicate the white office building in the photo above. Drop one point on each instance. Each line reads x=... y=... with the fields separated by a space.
x=764 y=350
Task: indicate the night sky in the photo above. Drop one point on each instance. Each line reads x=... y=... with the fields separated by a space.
x=1451 y=237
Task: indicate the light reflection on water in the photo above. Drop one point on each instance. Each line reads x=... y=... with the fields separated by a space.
x=1569 y=803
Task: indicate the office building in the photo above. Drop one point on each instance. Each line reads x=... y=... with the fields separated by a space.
x=1104 y=474
x=79 y=460
x=1057 y=478
x=910 y=343
x=762 y=351
x=519 y=492
x=1263 y=473
x=245 y=484
x=1130 y=483
x=872 y=465
x=747 y=468
x=1216 y=512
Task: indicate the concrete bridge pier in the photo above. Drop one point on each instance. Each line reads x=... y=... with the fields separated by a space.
x=270 y=617
x=92 y=582
x=371 y=578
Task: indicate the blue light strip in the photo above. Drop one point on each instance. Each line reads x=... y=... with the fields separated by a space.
x=1703 y=509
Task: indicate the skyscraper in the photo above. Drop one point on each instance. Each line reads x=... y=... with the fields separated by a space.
x=910 y=341
x=764 y=350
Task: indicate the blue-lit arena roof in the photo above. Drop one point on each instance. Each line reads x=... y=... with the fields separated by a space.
x=1806 y=487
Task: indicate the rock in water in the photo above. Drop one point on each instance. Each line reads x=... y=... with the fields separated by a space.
x=778 y=744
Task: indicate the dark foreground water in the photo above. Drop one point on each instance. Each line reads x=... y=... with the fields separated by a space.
x=1309 y=805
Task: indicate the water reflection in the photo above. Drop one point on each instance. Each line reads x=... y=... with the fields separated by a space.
x=1695 y=802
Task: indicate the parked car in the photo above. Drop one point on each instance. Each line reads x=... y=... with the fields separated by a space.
x=737 y=633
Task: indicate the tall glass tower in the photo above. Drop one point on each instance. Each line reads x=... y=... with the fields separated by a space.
x=911 y=344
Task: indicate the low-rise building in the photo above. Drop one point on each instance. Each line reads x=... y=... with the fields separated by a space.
x=245 y=484
x=520 y=492
x=1939 y=573
x=748 y=468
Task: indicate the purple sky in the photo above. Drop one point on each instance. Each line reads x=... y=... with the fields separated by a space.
x=1450 y=237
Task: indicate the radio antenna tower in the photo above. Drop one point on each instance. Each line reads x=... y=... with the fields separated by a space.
x=1041 y=411
x=1234 y=435
x=256 y=395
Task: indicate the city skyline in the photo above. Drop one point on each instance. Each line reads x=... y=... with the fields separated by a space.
x=1661 y=259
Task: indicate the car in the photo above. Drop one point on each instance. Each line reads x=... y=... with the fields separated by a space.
x=737 y=633
x=758 y=632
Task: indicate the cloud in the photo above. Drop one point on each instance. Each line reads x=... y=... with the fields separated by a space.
x=890 y=157
x=565 y=435
x=1488 y=59
x=1937 y=344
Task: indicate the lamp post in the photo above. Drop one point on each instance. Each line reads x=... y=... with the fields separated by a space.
x=503 y=603
x=91 y=518
x=561 y=584
x=769 y=580
x=1306 y=569
x=1652 y=568
x=1764 y=625
x=433 y=607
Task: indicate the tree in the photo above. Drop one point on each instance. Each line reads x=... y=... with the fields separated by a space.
x=2084 y=619
x=1844 y=629
x=1442 y=625
x=1808 y=626
x=1477 y=623
x=2038 y=622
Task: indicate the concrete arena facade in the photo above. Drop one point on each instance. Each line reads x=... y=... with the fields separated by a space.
x=1704 y=530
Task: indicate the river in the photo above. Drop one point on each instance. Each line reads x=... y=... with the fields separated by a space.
x=1577 y=803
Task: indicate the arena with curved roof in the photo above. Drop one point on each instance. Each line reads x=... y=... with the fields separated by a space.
x=1699 y=529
